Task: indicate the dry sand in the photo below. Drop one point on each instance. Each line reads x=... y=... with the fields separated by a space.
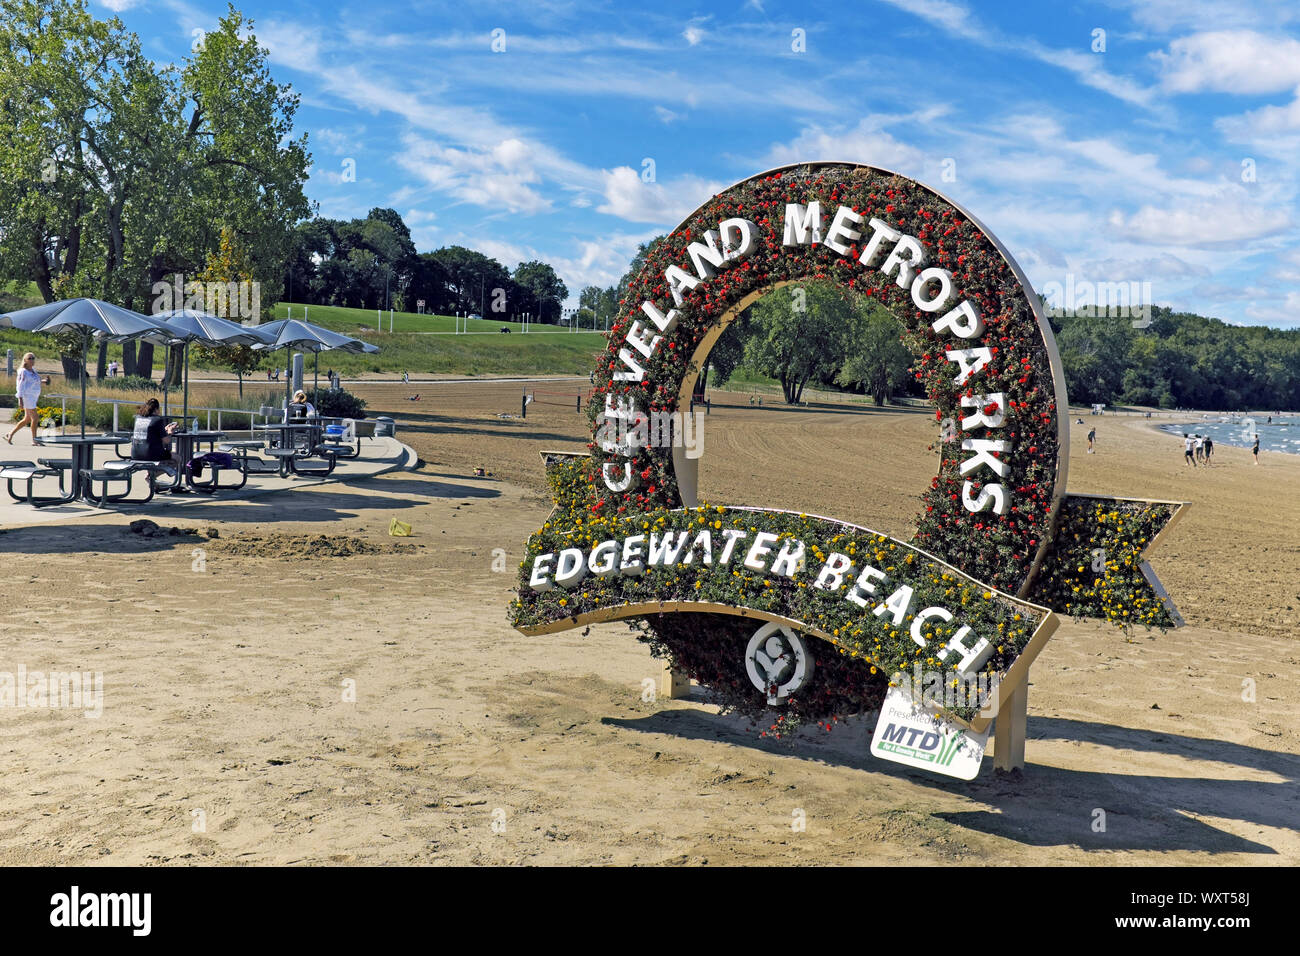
x=226 y=661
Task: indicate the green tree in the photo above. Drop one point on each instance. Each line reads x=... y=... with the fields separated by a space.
x=876 y=359
x=545 y=287
x=228 y=264
x=116 y=174
x=798 y=334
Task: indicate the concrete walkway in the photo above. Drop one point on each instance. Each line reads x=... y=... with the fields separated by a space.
x=378 y=456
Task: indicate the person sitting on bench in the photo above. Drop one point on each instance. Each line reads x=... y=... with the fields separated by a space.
x=150 y=439
x=299 y=407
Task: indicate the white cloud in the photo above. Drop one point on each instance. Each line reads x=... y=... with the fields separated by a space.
x=1230 y=61
x=1162 y=266
x=666 y=116
x=865 y=143
x=502 y=177
x=1233 y=217
x=630 y=198
x=693 y=35
x=118 y=6
x=1171 y=16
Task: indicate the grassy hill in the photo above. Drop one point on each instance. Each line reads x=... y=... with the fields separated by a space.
x=424 y=344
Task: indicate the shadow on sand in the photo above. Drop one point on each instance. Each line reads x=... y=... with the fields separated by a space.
x=1050 y=806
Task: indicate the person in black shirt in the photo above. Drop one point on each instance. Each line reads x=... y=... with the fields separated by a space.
x=150 y=439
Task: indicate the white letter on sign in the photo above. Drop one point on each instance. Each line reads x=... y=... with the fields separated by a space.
x=983 y=449
x=799 y=221
x=707 y=259
x=942 y=299
x=970 y=328
x=963 y=357
x=879 y=232
x=678 y=279
x=841 y=230
x=739 y=237
x=540 y=580
x=980 y=403
x=994 y=492
x=664 y=323
x=919 y=622
x=571 y=569
x=906 y=256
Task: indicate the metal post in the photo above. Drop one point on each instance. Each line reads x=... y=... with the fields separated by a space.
x=523 y=405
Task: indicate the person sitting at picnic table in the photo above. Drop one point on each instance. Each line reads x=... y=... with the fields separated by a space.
x=150 y=438
x=299 y=407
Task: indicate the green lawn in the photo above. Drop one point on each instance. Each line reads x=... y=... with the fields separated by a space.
x=355 y=321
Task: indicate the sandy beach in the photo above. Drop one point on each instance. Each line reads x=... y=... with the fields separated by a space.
x=283 y=682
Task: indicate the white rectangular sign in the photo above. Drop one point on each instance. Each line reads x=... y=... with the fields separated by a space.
x=910 y=734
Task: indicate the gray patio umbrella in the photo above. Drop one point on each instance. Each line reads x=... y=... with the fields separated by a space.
x=90 y=317
x=296 y=334
x=184 y=326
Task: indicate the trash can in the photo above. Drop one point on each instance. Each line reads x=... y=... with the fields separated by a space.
x=385 y=427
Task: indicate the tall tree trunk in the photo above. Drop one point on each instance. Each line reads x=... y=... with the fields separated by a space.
x=71 y=367
x=128 y=358
x=101 y=361
x=175 y=365
x=144 y=360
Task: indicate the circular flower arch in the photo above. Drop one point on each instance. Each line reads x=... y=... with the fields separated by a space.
x=982 y=349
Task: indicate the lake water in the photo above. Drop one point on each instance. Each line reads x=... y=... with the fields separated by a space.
x=1283 y=435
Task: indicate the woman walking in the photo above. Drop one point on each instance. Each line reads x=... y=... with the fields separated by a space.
x=28 y=392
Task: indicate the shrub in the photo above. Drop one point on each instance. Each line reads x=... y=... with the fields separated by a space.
x=129 y=383
x=337 y=403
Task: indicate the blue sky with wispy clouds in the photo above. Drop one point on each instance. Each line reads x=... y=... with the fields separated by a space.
x=1170 y=157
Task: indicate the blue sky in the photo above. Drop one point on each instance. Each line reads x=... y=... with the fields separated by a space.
x=1169 y=156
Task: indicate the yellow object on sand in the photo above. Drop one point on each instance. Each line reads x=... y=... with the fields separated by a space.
x=399 y=529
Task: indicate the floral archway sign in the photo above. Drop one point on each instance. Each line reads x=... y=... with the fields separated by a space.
x=811 y=618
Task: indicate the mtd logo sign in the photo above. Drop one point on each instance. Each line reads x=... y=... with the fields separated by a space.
x=931 y=747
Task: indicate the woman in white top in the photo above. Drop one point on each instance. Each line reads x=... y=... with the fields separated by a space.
x=28 y=392
x=299 y=407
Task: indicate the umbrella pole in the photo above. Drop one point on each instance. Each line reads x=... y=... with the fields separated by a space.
x=185 y=413
x=315 y=381
x=85 y=352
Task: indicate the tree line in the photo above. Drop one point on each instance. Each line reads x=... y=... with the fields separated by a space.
x=371 y=263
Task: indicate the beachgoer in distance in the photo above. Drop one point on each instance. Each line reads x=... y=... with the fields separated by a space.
x=1188 y=456
x=28 y=391
x=1255 y=451
x=1198 y=446
x=1092 y=437
x=1209 y=448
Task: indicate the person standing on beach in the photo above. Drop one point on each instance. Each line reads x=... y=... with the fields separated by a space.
x=28 y=391
x=1092 y=437
x=1188 y=457
x=1255 y=451
x=1198 y=446
x=1209 y=449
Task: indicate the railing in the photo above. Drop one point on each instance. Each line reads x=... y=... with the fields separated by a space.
x=252 y=414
